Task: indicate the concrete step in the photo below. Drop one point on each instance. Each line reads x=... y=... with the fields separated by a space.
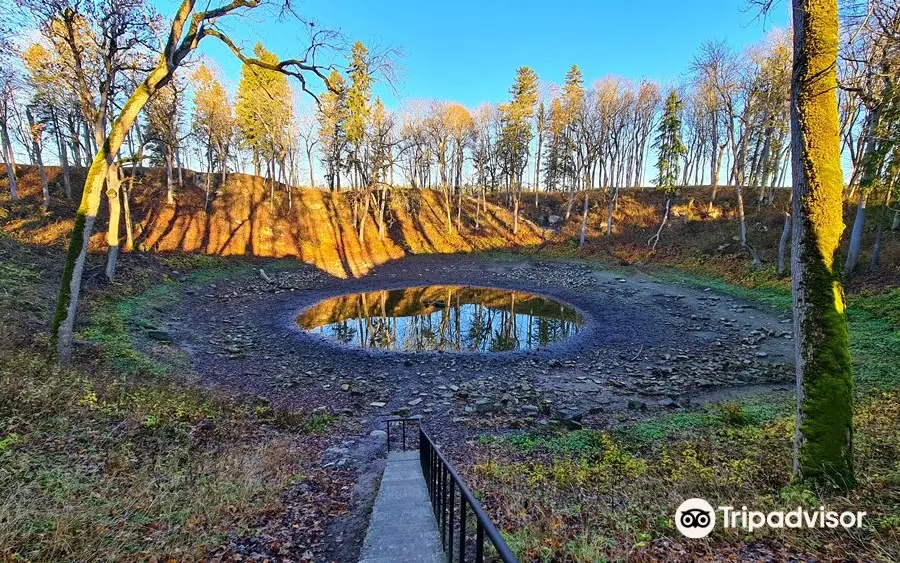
x=402 y=528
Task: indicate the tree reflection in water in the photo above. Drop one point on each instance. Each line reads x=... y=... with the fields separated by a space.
x=446 y=318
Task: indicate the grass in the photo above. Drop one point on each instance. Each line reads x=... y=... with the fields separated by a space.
x=596 y=496
x=590 y=495
x=94 y=469
x=116 y=459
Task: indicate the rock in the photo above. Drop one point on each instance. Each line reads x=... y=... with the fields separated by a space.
x=159 y=335
x=345 y=387
x=377 y=404
x=483 y=405
x=568 y=413
x=378 y=434
x=554 y=220
x=414 y=402
x=555 y=363
x=636 y=405
x=667 y=402
x=530 y=409
x=569 y=416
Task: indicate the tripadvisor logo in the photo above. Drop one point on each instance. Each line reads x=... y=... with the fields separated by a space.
x=695 y=518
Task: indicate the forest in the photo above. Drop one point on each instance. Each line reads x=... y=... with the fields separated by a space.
x=597 y=297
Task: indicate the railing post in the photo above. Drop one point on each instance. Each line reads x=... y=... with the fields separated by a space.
x=452 y=522
x=479 y=542
x=403 y=430
x=462 y=528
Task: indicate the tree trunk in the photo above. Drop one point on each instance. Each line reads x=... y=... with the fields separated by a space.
x=823 y=442
x=180 y=167
x=115 y=214
x=869 y=176
x=782 y=243
x=73 y=139
x=170 y=178
x=613 y=195
x=584 y=216
x=63 y=157
x=35 y=132
x=9 y=163
x=88 y=148
x=85 y=217
x=882 y=221
x=362 y=218
x=855 y=244
x=741 y=216
x=654 y=240
x=126 y=210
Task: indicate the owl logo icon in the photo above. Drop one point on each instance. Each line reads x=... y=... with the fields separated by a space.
x=695 y=518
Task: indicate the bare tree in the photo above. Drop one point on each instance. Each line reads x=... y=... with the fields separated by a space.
x=187 y=29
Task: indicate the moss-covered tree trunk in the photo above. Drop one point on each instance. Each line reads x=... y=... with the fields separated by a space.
x=86 y=216
x=823 y=445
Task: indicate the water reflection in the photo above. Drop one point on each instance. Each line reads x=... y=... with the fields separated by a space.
x=448 y=318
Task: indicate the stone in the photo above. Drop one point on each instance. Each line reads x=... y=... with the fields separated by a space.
x=554 y=219
x=378 y=404
x=415 y=402
x=483 y=405
x=570 y=416
x=636 y=405
x=530 y=409
x=159 y=335
x=378 y=434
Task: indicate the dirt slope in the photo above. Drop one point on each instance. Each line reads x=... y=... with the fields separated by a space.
x=244 y=218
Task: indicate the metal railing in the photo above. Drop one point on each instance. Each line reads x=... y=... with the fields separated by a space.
x=452 y=501
x=403 y=434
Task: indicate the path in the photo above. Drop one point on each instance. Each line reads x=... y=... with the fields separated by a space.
x=402 y=526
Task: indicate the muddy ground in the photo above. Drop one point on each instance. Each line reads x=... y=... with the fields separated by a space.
x=646 y=347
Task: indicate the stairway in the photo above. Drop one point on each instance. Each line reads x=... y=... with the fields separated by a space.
x=402 y=528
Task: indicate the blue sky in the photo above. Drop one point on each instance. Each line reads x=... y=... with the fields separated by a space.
x=467 y=50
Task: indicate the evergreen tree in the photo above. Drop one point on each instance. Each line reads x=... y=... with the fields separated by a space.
x=358 y=98
x=669 y=152
x=572 y=106
x=669 y=146
x=332 y=128
x=516 y=133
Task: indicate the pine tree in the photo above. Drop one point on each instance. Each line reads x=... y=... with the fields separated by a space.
x=332 y=128
x=669 y=152
x=517 y=133
x=669 y=146
x=359 y=94
x=572 y=106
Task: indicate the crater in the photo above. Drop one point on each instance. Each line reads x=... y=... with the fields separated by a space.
x=443 y=318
